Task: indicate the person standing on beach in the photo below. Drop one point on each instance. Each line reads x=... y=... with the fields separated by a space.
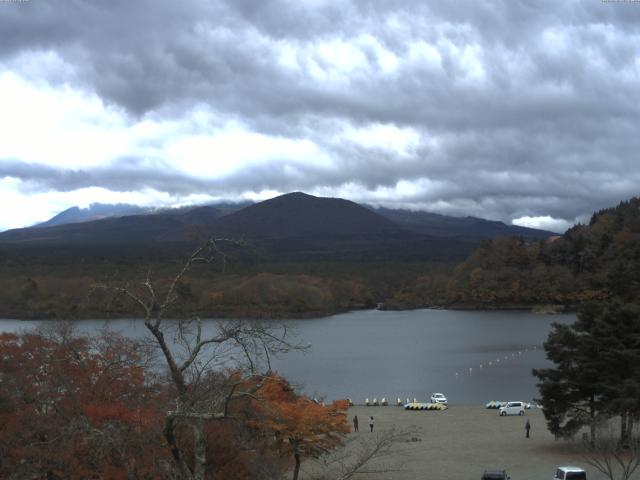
x=527 y=427
x=371 y=423
x=355 y=423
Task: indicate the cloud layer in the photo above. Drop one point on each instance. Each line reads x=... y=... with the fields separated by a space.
x=503 y=109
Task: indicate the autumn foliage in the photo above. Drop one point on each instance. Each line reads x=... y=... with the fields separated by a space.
x=72 y=407
x=78 y=408
x=588 y=263
x=301 y=426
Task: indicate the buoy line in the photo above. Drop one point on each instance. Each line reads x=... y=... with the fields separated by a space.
x=498 y=361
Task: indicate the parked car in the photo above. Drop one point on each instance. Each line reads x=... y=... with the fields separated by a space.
x=512 y=408
x=438 y=398
x=570 y=473
x=495 y=475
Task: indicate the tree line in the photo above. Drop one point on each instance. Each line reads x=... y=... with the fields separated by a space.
x=247 y=290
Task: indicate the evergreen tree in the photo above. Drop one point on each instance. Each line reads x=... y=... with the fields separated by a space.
x=570 y=392
x=615 y=327
x=597 y=369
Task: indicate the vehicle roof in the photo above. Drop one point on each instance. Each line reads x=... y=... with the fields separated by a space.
x=569 y=468
x=494 y=474
x=439 y=394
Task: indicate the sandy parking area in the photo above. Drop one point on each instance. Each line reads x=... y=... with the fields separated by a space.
x=461 y=442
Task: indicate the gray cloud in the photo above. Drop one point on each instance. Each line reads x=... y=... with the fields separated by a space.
x=122 y=175
x=548 y=127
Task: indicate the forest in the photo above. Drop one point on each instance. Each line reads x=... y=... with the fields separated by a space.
x=586 y=263
x=29 y=289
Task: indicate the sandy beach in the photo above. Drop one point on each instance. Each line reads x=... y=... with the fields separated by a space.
x=463 y=441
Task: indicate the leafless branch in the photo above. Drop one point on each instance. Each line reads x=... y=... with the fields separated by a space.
x=202 y=393
x=608 y=456
x=362 y=454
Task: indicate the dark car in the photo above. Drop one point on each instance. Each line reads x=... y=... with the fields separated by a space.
x=495 y=475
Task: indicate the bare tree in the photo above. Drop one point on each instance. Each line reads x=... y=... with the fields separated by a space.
x=196 y=355
x=362 y=455
x=615 y=460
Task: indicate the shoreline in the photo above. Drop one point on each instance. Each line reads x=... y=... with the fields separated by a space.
x=310 y=315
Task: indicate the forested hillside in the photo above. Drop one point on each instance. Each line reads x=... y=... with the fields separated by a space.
x=587 y=262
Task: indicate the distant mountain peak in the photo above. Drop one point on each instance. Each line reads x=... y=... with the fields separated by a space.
x=95 y=211
x=296 y=195
x=299 y=214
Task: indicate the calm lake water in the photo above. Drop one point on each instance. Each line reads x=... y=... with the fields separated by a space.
x=470 y=356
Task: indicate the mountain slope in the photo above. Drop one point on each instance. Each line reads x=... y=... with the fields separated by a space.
x=445 y=226
x=113 y=230
x=293 y=226
x=77 y=226
x=300 y=227
x=99 y=211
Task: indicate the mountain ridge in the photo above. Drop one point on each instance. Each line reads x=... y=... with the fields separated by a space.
x=418 y=221
x=294 y=225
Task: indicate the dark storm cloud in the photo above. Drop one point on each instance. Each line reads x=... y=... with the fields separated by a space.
x=122 y=175
x=533 y=107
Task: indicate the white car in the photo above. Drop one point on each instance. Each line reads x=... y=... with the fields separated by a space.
x=570 y=473
x=512 y=408
x=438 y=398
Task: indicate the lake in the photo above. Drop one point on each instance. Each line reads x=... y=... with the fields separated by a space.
x=470 y=356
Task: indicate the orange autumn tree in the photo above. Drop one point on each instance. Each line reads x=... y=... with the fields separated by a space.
x=78 y=408
x=73 y=407
x=301 y=426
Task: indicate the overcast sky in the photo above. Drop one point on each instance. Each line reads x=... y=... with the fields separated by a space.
x=525 y=112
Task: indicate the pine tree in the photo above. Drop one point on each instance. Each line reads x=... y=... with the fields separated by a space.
x=570 y=392
x=615 y=326
x=597 y=369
